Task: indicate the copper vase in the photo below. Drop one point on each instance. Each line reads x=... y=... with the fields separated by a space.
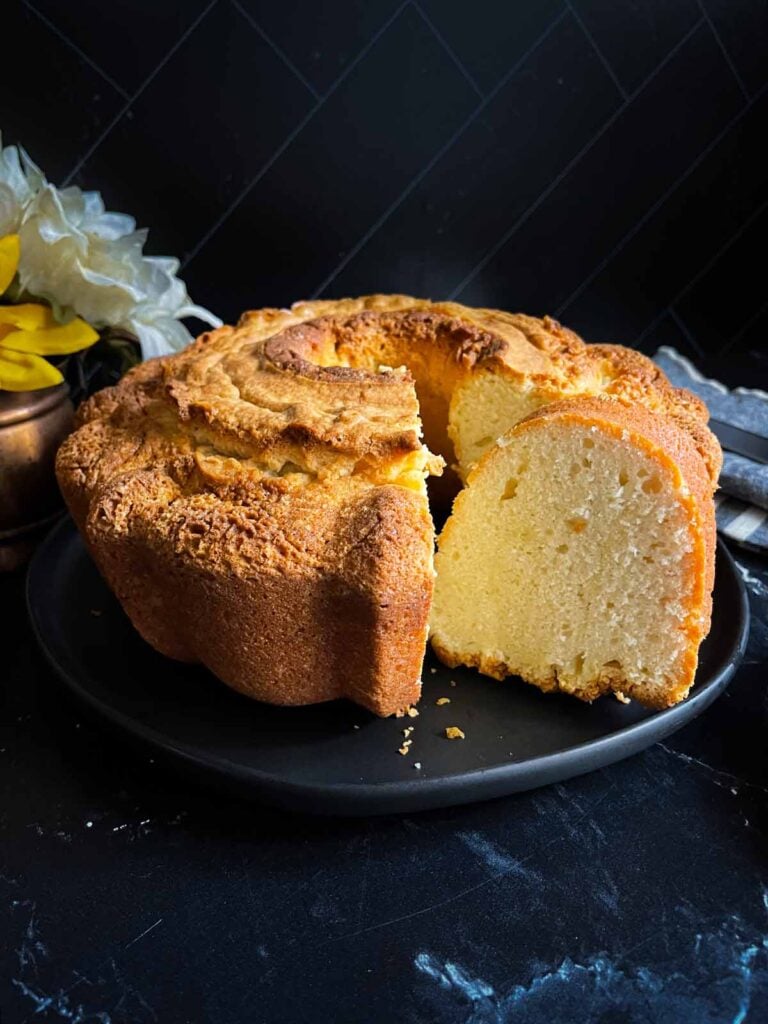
x=32 y=426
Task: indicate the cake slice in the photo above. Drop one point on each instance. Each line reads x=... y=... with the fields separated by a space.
x=580 y=555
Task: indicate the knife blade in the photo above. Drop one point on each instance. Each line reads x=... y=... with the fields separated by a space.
x=740 y=441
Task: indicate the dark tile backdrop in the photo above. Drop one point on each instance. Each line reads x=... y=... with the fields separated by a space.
x=600 y=160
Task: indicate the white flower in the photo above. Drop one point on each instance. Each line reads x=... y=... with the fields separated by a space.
x=19 y=180
x=86 y=261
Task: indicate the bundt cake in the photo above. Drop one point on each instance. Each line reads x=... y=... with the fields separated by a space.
x=258 y=503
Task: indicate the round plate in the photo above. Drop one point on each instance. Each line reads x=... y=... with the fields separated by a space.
x=337 y=758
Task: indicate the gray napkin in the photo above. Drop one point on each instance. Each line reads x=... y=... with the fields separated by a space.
x=742 y=500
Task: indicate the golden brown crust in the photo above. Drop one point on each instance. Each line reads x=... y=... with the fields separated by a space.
x=288 y=592
x=255 y=501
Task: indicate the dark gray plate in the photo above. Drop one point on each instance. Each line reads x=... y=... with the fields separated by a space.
x=337 y=758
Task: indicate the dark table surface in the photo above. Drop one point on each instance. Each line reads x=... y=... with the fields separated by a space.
x=130 y=894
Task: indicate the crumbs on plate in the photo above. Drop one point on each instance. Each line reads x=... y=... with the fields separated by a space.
x=453 y=732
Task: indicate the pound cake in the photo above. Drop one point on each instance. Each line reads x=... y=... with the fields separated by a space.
x=580 y=555
x=258 y=502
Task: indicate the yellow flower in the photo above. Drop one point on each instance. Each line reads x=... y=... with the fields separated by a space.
x=28 y=331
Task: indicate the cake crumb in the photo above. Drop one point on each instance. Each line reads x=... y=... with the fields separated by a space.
x=407 y=731
x=442 y=700
x=412 y=713
x=454 y=733
x=403 y=750
x=96 y=612
x=355 y=726
x=453 y=682
x=417 y=765
x=433 y=671
x=621 y=698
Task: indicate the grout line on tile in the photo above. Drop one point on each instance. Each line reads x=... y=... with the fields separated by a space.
x=714 y=258
x=665 y=60
x=600 y=55
x=132 y=99
x=365 y=49
x=726 y=55
x=445 y=45
x=736 y=338
x=570 y=165
x=73 y=46
x=685 y=330
x=291 y=136
x=195 y=250
x=277 y=50
x=654 y=208
x=371 y=231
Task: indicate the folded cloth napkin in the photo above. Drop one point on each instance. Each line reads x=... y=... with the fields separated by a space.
x=743 y=497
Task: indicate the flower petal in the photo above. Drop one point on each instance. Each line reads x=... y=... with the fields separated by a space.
x=24 y=371
x=9 y=260
x=53 y=341
x=160 y=337
x=202 y=314
x=19 y=180
x=10 y=207
x=33 y=174
x=27 y=316
x=84 y=260
x=105 y=281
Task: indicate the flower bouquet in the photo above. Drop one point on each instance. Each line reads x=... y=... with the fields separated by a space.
x=79 y=304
